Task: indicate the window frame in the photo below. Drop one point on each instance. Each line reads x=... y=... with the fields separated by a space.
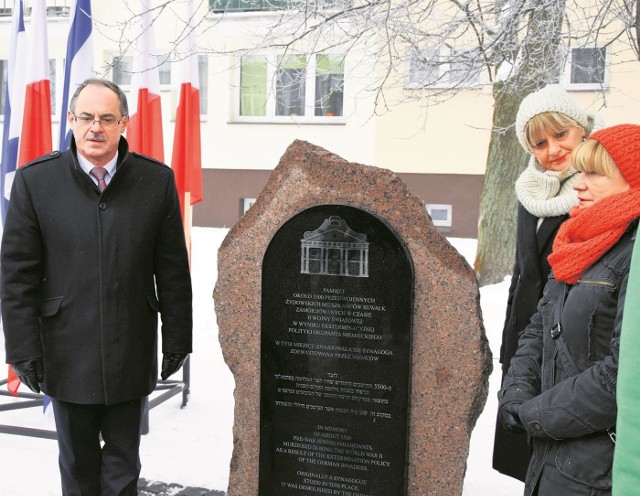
x=443 y=70
x=309 y=116
x=591 y=86
x=56 y=68
x=265 y=6
x=247 y=203
x=440 y=207
x=171 y=88
x=129 y=72
x=4 y=74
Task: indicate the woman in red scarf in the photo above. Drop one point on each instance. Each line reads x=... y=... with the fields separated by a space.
x=561 y=384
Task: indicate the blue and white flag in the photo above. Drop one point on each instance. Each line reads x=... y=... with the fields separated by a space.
x=14 y=99
x=79 y=61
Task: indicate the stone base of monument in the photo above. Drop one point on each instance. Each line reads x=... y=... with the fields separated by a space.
x=354 y=333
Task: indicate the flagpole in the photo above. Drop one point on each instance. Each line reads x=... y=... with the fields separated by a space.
x=186 y=160
x=187 y=222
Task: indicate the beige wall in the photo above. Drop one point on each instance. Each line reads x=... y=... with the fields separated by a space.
x=452 y=137
x=418 y=137
x=446 y=138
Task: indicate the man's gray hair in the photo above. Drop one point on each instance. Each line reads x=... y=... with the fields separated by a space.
x=124 y=108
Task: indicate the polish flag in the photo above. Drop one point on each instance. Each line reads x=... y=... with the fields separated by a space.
x=144 y=132
x=186 y=159
x=36 y=135
x=13 y=105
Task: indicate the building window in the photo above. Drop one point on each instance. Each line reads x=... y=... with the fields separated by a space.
x=4 y=74
x=122 y=70
x=443 y=68
x=53 y=66
x=304 y=86
x=253 y=86
x=58 y=8
x=586 y=68
x=164 y=71
x=219 y=6
x=424 y=69
x=290 y=85
x=203 y=77
x=441 y=215
x=329 y=85
x=246 y=204
x=6 y=8
x=122 y=74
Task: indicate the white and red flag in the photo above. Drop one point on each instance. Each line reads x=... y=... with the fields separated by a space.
x=36 y=137
x=186 y=161
x=27 y=111
x=13 y=103
x=144 y=132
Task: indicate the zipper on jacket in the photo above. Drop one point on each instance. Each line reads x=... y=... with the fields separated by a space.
x=595 y=282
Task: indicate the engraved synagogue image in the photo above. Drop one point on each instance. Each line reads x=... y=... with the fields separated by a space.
x=334 y=249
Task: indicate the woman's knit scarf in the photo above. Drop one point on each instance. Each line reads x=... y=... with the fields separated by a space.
x=590 y=232
x=546 y=193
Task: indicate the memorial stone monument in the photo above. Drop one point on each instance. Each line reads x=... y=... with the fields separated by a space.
x=354 y=334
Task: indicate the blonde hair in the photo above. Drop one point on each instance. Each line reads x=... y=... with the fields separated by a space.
x=591 y=156
x=541 y=124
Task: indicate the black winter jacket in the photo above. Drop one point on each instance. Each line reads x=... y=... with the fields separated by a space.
x=565 y=377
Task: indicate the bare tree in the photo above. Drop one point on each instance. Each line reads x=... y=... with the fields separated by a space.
x=537 y=62
x=517 y=45
x=549 y=32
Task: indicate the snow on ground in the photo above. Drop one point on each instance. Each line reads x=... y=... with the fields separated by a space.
x=192 y=446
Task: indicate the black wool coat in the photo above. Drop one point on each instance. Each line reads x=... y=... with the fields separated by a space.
x=530 y=273
x=511 y=452
x=84 y=275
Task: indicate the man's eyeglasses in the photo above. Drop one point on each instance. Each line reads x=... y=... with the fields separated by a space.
x=106 y=121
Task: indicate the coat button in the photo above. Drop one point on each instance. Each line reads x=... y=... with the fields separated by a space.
x=102 y=206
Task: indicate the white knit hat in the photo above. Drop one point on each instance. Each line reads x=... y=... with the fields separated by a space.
x=551 y=98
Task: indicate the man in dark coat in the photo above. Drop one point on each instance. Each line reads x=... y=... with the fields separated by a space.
x=88 y=262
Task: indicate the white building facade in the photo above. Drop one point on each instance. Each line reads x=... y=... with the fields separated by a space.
x=255 y=103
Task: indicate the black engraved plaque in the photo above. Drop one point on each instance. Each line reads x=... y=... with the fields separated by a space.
x=337 y=301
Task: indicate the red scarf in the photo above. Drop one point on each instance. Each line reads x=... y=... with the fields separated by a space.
x=590 y=232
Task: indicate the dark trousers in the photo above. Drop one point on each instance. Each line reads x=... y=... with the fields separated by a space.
x=99 y=447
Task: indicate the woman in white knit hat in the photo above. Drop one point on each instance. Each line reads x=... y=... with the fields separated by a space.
x=549 y=125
